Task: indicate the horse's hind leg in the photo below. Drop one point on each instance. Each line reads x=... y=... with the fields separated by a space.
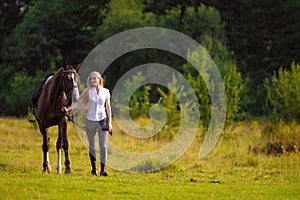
x=65 y=145
x=45 y=146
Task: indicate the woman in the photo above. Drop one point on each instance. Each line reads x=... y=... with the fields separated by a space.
x=96 y=99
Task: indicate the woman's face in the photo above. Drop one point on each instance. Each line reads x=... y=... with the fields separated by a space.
x=94 y=81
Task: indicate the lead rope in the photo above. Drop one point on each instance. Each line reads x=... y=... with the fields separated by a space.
x=83 y=127
x=70 y=118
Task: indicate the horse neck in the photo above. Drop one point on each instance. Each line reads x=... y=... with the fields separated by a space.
x=56 y=90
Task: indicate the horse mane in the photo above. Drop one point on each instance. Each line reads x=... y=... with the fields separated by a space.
x=56 y=90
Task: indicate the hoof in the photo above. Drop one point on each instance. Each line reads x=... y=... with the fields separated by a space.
x=94 y=172
x=47 y=169
x=68 y=171
x=58 y=170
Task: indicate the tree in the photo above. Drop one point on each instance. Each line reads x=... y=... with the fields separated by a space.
x=11 y=13
x=283 y=94
x=50 y=32
x=124 y=15
x=263 y=36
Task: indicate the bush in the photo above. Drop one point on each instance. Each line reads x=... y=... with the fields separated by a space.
x=18 y=94
x=278 y=138
x=283 y=95
x=232 y=81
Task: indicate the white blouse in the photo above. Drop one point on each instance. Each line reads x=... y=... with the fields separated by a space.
x=96 y=111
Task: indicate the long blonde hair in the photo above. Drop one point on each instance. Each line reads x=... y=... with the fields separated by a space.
x=84 y=98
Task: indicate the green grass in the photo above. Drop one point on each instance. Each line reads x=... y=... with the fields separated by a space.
x=228 y=172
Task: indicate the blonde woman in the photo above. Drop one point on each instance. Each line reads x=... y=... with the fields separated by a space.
x=96 y=100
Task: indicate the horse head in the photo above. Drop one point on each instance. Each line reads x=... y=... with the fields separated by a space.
x=69 y=79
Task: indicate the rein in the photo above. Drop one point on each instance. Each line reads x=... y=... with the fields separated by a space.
x=70 y=118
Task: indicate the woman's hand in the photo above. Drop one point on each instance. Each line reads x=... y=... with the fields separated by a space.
x=64 y=109
x=109 y=126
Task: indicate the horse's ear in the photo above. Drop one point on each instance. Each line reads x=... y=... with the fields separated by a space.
x=65 y=65
x=77 y=67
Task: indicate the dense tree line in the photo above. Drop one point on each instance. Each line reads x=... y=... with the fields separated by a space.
x=262 y=34
x=254 y=37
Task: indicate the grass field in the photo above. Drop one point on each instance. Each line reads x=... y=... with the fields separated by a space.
x=230 y=171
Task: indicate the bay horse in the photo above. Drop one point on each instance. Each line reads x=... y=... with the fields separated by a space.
x=48 y=102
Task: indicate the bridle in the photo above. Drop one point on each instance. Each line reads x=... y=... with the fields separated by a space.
x=68 y=91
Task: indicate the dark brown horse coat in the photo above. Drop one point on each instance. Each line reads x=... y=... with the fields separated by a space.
x=48 y=101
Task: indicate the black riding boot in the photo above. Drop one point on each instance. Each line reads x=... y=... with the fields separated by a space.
x=103 y=170
x=94 y=165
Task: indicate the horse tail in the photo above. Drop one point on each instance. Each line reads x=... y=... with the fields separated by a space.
x=31 y=115
x=32 y=120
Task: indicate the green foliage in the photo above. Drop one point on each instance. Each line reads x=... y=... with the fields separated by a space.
x=50 y=32
x=39 y=34
x=261 y=47
x=283 y=94
x=139 y=101
x=122 y=15
x=18 y=94
x=11 y=14
x=246 y=99
x=233 y=85
x=206 y=33
x=269 y=45
x=282 y=132
x=232 y=82
x=206 y=22
x=283 y=108
x=232 y=79
x=279 y=138
x=209 y=33
x=170 y=103
x=201 y=90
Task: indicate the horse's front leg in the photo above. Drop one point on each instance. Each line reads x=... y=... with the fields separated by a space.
x=65 y=145
x=45 y=146
x=58 y=149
